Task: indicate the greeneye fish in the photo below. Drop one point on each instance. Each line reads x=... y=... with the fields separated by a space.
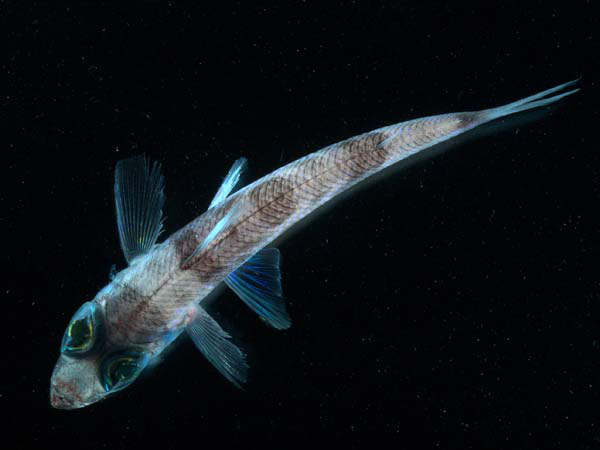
x=162 y=293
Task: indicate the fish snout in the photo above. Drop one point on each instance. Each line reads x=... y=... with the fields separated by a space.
x=59 y=400
x=73 y=384
x=65 y=395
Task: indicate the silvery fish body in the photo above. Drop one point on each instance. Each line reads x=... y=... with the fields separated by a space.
x=129 y=323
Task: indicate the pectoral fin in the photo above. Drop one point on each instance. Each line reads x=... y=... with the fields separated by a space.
x=139 y=199
x=215 y=344
x=258 y=284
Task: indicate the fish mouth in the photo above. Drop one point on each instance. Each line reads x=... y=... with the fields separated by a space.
x=59 y=401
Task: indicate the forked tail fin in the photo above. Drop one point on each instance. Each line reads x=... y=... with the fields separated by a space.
x=533 y=101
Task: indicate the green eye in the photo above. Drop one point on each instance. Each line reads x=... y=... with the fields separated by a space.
x=79 y=337
x=121 y=369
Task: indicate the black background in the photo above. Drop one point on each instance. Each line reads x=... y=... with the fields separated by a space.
x=453 y=304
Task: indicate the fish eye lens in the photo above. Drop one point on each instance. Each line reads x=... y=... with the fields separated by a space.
x=79 y=336
x=117 y=371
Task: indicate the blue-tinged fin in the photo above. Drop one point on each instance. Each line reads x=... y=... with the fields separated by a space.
x=215 y=344
x=533 y=101
x=258 y=283
x=230 y=181
x=113 y=272
x=139 y=197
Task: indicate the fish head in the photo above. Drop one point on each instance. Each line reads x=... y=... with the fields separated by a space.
x=90 y=368
x=74 y=383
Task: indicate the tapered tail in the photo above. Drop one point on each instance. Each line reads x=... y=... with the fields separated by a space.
x=533 y=101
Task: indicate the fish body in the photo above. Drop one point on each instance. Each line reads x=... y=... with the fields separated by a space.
x=165 y=284
x=161 y=293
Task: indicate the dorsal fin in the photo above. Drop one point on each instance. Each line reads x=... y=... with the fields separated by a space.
x=230 y=181
x=230 y=218
x=139 y=198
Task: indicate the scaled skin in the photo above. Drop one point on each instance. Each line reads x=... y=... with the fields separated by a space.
x=148 y=304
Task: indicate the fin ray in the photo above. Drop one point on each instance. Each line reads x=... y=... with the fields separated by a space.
x=230 y=181
x=139 y=199
x=215 y=344
x=533 y=101
x=258 y=284
x=227 y=220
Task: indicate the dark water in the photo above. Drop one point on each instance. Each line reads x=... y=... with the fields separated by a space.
x=452 y=304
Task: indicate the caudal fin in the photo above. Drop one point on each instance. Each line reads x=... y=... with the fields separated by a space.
x=533 y=101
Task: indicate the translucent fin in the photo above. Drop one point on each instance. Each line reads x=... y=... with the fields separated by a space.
x=230 y=181
x=113 y=272
x=258 y=284
x=533 y=101
x=227 y=220
x=215 y=344
x=139 y=198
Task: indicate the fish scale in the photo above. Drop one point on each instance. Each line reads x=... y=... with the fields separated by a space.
x=131 y=321
x=283 y=198
x=272 y=205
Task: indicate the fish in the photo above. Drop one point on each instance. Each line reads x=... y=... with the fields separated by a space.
x=162 y=293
